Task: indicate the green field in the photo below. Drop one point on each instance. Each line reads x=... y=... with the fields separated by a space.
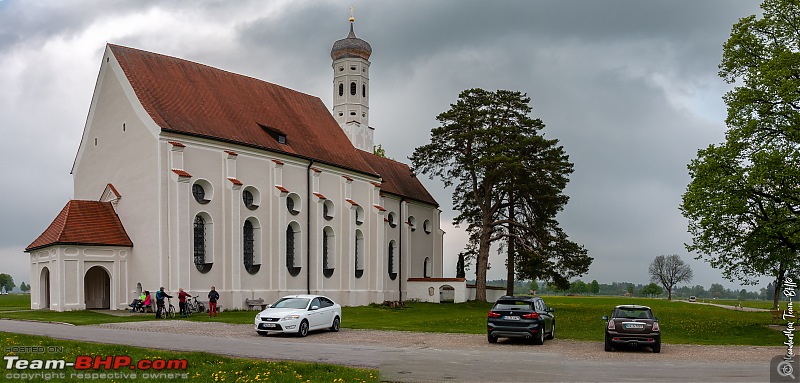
x=201 y=367
x=577 y=318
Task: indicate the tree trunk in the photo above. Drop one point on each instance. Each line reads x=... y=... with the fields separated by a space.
x=778 y=286
x=669 y=294
x=482 y=263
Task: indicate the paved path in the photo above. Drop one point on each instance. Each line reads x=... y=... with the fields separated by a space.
x=511 y=363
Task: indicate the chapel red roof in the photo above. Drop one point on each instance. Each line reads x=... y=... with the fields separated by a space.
x=398 y=179
x=185 y=97
x=88 y=223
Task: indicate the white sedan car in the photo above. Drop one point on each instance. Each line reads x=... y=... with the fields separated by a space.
x=299 y=314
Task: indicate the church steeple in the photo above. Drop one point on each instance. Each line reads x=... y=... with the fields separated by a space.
x=351 y=88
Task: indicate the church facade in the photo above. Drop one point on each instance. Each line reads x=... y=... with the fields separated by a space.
x=188 y=176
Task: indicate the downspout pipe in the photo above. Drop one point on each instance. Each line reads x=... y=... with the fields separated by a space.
x=400 y=251
x=308 y=227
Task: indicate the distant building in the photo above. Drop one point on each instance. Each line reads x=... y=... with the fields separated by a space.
x=190 y=176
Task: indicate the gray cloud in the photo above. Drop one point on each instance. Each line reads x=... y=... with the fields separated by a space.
x=629 y=87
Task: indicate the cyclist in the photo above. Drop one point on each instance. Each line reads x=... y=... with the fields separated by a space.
x=160 y=295
x=182 y=302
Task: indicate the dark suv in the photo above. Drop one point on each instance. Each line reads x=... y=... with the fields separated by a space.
x=632 y=325
x=521 y=317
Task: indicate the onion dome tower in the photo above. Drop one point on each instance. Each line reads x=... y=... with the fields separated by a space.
x=350 y=57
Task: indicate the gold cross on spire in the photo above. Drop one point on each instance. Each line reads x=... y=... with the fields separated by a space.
x=352 y=9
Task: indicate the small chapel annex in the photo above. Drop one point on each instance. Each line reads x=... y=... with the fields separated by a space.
x=191 y=176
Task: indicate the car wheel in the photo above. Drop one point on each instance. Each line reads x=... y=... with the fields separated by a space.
x=552 y=332
x=608 y=346
x=262 y=333
x=303 y=329
x=491 y=338
x=539 y=337
x=657 y=348
x=335 y=325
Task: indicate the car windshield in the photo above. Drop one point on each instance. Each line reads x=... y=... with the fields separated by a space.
x=633 y=313
x=290 y=303
x=512 y=305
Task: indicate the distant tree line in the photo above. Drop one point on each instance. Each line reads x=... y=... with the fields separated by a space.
x=580 y=287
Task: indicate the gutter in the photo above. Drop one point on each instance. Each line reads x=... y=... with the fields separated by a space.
x=400 y=252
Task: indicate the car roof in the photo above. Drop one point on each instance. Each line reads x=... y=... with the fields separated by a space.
x=632 y=307
x=305 y=296
x=517 y=298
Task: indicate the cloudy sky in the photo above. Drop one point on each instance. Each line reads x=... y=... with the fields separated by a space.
x=629 y=87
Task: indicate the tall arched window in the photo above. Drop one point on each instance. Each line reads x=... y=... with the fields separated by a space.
x=292 y=261
x=328 y=252
x=341 y=90
x=352 y=88
x=200 y=245
x=249 y=247
x=390 y=261
x=363 y=90
x=426 y=272
x=359 y=249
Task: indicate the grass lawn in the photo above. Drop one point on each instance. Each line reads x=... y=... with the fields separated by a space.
x=577 y=318
x=15 y=302
x=201 y=367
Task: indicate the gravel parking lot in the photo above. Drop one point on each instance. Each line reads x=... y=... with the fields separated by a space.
x=568 y=349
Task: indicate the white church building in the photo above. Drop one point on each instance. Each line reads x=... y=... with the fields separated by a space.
x=191 y=176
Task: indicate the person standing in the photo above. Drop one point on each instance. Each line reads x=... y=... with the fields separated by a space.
x=213 y=297
x=160 y=295
x=182 y=302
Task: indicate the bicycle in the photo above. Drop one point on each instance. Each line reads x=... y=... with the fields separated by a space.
x=169 y=310
x=194 y=306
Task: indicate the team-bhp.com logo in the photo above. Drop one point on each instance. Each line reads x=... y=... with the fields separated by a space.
x=95 y=367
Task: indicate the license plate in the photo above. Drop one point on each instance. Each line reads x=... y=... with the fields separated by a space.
x=511 y=317
x=634 y=326
x=268 y=325
x=634 y=344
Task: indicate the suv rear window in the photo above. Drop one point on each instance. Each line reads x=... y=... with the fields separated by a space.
x=633 y=313
x=512 y=305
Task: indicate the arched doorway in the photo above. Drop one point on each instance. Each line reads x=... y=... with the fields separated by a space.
x=44 y=289
x=97 y=288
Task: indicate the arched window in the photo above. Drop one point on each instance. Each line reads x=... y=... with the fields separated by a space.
x=352 y=88
x=249 y=247
x=292 y=261
x=390 y=261
x=200 y=245
x=363 y=90
x=247 y=198
x=199 y=193
x=359 y=262
x=426 y=271
x=328 y=252
x=341 y=90
x=392 y=219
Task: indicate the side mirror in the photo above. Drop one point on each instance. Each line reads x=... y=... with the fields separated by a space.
x=313 y=308
x=550 y=309
x=605 y=317
x=269 y=305
x=655 y=319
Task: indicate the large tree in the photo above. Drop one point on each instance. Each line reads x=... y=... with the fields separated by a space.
x=743 y=202
x=7 y=281
x=669 y=271
x=508 y=182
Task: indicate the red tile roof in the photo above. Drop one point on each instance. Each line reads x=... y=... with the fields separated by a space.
x=379 y=207
x=231 y=153
x=181 y=173
x=398 y=179
x=282 y=189
x=235 y=181
x=114 y=190
x=347 y=177
x=279 y=162
x=352 y=202
x=185 y=97
x=320 y=196
x=87 y=223
x=178 y=144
